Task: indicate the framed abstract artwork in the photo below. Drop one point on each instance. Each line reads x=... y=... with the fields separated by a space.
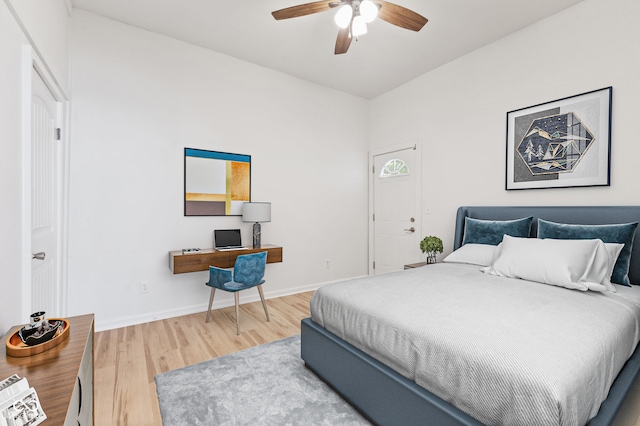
x=215 y=183
x=560 y=144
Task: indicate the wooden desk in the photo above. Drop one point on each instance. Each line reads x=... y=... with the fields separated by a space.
x=180 y=263
x=62 y=376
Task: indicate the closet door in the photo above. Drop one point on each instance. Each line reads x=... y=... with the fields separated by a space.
x=45 y=233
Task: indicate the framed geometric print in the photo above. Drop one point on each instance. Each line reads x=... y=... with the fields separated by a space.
x=560 y=144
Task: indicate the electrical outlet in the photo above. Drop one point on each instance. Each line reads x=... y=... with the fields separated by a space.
x=144 y=287
x=326 y=263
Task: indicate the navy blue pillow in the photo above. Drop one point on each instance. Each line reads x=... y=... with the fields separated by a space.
x=477 y=231
x=622 y=233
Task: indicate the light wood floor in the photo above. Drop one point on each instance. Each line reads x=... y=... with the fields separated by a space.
x=127 y=359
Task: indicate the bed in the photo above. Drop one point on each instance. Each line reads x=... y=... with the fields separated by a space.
x=380 y=388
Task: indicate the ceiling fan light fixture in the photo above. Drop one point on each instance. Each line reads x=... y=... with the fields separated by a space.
x=359 y=26
x=344 y=15
x=352 y=17
x=368 y=10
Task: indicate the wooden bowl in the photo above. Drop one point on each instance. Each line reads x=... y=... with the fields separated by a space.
x=17 y=348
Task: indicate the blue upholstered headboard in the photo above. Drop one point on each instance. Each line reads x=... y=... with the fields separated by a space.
x=579 y=215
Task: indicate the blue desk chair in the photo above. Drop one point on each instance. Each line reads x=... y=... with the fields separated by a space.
x=247 y=272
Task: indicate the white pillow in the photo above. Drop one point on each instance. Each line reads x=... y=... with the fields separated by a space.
x=474 y=254
x=575 y=264
x=613 y=250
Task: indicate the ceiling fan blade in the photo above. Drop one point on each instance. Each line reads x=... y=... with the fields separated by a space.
x=302 y=10
x=400 y=16
x=344 y=41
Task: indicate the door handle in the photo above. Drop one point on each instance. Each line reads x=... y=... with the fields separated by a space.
x=40 y=256
x=412 y=229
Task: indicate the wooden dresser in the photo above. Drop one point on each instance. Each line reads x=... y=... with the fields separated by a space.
x=62 y=376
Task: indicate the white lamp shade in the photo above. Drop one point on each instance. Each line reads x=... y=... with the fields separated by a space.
x=256 y=212
x=368 y=10
x=343 y=17
x=359 y=26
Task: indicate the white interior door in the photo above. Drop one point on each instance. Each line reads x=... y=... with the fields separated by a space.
x=45 y=235
x=396 y=219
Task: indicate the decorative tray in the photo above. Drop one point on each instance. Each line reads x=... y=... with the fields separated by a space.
x=17 y=348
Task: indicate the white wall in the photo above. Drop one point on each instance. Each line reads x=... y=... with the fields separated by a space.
x=47 y=25
x=459 y=110
x=139 y=100
x=20 y=27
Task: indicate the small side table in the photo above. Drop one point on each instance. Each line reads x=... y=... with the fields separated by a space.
x=415 y=265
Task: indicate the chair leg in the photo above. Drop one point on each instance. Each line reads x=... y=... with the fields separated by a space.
x=237 y=293
x=213 y=291
x=264 y=305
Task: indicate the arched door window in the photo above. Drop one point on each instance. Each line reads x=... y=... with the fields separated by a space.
x=394 y=167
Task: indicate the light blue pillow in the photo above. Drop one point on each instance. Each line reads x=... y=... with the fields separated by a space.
x=477 y=231
x=622 y=233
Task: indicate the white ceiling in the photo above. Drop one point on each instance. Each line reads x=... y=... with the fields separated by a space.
x=379 y=61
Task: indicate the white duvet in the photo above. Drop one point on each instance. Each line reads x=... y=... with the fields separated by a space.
x=503 y=350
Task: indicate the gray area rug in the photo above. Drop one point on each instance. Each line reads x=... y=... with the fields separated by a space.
x=264 y=385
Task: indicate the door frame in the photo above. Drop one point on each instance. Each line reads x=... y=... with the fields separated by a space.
x=31 y=60
x=416 y=145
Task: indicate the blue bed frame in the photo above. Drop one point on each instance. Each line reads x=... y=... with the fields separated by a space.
x=388 y=398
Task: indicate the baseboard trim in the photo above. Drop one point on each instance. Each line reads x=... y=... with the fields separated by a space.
x=201 y=307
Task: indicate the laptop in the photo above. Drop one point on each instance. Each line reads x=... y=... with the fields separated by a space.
x=227 y=239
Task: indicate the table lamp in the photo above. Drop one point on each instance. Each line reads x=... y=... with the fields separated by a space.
x=256 y=213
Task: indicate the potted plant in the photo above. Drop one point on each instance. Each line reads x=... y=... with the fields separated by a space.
x=431 y=245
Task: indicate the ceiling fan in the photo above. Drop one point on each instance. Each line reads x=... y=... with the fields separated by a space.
x=353 y=16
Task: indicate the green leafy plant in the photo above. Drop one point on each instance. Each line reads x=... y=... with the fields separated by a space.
x=431 y=245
